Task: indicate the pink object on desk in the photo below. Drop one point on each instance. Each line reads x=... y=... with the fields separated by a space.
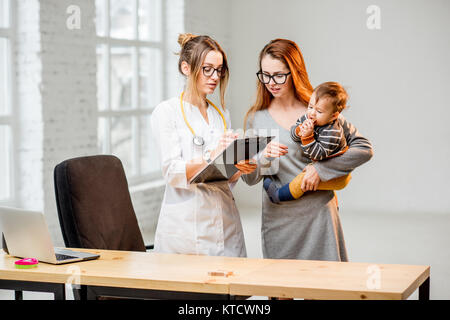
x=26 y=262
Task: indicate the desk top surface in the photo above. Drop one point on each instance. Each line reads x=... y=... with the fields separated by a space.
x=247 y=276
x=331 y=280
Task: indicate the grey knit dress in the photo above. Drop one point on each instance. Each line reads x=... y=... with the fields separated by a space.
x=308 y=228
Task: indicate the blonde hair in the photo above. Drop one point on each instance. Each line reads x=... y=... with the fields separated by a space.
x=194 y=50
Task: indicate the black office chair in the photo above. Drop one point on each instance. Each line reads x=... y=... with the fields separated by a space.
x=95 y=211
x=94 y=205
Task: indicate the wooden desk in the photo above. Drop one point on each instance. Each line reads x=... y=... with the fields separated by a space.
x=167 y=275
x=155 y=275
x=334 y=280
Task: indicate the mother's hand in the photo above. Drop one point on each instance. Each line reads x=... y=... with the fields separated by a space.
x=311 y=179
x=275 y=149
x=246 y=166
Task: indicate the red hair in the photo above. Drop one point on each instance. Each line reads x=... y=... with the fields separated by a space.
x=289 y=53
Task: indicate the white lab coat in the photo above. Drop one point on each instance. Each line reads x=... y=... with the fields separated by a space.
x=198 y=218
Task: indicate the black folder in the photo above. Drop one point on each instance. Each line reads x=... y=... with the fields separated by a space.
x=222 y=167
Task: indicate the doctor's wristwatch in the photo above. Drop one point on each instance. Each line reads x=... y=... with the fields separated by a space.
x=207 y=156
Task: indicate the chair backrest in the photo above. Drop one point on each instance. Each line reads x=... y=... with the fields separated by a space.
x=94 y=204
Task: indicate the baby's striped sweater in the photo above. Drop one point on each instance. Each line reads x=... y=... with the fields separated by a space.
x=326 y=142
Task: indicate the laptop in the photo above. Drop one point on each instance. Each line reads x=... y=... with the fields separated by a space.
x=27 y=236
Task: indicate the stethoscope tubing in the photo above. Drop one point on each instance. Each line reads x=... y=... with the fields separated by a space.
x=197 y=139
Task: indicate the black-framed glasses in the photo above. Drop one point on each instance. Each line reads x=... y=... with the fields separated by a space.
x=208 y=71
x=279 y=78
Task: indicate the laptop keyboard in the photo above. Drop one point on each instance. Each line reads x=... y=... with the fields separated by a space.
x=62 y=257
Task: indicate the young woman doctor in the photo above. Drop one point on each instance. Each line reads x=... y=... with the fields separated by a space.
x=189 y=131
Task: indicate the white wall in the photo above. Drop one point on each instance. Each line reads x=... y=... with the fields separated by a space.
x=29 y=188
x=57 y=101
x=212 y=18
x=398 y=79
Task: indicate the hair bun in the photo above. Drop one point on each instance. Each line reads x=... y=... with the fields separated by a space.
x=183 y=38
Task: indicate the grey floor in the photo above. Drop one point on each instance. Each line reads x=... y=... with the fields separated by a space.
x=374 y=238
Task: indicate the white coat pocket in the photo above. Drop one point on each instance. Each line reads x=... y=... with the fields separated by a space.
x=176 y=232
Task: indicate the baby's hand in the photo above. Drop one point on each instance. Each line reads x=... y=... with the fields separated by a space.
x=307 y=128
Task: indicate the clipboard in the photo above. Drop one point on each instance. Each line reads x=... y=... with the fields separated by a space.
x=222 y=167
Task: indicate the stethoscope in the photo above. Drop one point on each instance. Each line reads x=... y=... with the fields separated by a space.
x=197 y=140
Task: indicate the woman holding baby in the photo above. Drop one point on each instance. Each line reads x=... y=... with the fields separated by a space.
x=305 y=227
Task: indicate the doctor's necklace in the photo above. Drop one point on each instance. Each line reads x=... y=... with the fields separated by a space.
x=198 y=140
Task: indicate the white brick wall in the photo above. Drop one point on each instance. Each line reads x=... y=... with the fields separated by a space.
x=57 y=103
x=175 y=24
x=30 y=132
x=68 y=90
x=147 y=200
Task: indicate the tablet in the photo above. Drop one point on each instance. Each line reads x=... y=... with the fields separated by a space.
x=222 y=167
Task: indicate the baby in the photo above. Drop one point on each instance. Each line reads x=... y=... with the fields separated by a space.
x=320 y=135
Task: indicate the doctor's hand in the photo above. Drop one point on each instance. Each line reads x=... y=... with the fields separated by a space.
x=246 y=166
x=224 y=141
x=275 y=149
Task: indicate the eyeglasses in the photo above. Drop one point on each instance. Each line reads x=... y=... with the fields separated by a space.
x=208 y=71
x=279 y=78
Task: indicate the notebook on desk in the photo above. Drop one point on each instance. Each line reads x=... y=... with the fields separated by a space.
x=222 y=167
